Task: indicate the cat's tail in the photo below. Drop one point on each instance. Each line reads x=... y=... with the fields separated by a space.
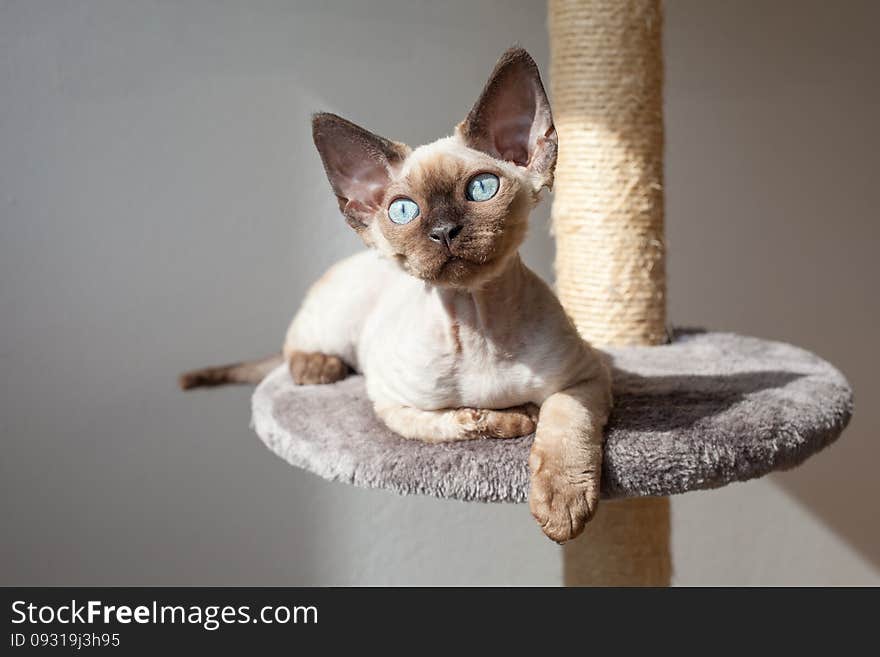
x=246 y=372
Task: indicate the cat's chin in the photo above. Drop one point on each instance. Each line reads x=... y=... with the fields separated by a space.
x=454 y=271
x=459 y=272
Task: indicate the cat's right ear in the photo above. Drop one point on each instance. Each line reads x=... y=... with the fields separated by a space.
x=358 y=163
x=512 y=120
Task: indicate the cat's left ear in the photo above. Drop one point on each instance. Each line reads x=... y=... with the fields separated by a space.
x=512 y=120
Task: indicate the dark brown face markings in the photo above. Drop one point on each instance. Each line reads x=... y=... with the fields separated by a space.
x=454 y=239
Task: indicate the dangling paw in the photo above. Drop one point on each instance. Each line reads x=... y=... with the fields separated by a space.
x=562 y=498
x=312 y=368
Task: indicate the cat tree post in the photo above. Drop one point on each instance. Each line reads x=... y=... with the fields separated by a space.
x=607 y=83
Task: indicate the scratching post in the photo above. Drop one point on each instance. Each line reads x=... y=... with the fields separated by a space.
x=606 y=76
x=607 y=81
x=625 y=544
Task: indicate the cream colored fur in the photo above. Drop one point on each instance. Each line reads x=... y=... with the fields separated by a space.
x=456 y=337
x=439 y=361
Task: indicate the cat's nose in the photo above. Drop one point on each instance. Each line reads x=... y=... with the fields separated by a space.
x=444 y=233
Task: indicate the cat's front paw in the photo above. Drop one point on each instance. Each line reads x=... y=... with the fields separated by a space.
x=562 y=499
x=307 y=368
x=505 y=423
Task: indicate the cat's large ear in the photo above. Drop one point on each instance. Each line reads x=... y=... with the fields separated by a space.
x=358 y=163
x=512 y=120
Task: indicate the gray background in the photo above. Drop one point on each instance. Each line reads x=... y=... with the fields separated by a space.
x=163 y=208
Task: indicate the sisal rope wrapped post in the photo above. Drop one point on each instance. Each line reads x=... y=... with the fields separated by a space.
x=607 y=82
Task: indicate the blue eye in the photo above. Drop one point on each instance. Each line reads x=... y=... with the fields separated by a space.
x=482 y=187
x=403 y=210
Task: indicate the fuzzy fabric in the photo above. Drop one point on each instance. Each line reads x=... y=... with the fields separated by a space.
x=701 y=412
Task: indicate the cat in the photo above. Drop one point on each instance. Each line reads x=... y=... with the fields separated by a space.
x=456 y=337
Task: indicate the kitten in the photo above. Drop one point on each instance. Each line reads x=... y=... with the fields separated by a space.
x=456 y=337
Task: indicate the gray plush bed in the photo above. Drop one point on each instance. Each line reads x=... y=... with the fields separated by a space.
x=700 y=412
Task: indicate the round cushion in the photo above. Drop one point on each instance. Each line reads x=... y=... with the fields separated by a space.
x=703 y=411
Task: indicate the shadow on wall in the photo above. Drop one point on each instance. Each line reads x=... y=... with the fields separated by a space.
x=841 y=487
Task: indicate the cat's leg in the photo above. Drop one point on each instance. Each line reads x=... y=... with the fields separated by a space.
x=459 y=423
x=320 y=343
x=566 y=458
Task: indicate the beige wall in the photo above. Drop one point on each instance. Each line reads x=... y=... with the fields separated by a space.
x=162 y=207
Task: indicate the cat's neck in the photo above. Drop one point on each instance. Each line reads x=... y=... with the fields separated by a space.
x=498 y=297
